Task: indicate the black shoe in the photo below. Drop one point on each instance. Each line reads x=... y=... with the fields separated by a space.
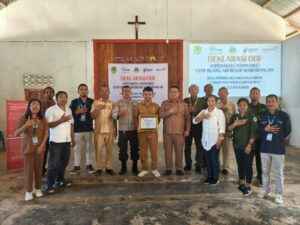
x=198 y=169
x=207 y=181
x=241 y=187
x=187 y=168
x=225 y=172
x=123 y=170
x=168 y=173
x=50 y=190
x=90 y=169
x=179 y=173
x=135 y=170
x=214 y=182
x=63 y=183
x=247 y=191
x=97 y=173
x=110 y=172
x=75 y=170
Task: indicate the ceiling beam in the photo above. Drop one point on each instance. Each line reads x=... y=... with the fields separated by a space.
x=292 y=34
x=292 y=13
x=295 y=27
x=265 y=5
x=2 y=4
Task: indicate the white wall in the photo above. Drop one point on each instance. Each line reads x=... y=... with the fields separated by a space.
x=218 y=20
x=290 y=85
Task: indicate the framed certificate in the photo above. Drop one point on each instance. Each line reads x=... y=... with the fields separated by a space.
x=148 y=122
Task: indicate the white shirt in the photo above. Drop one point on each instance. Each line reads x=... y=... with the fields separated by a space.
x=212 y=127
x=62 y=132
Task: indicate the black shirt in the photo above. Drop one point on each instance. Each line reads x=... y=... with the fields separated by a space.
x=82 y=122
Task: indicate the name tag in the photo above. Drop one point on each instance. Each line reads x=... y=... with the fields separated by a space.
x=82 y=118
x=35 y=140
x=269 y=137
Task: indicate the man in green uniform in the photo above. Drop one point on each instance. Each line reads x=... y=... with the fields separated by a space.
x=256 y=108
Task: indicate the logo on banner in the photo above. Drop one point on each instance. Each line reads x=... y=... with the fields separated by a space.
x=113 y=69
x=147 y=70
x=232 y=50
x=136 y=69
x=125 y=70
x=197 y=49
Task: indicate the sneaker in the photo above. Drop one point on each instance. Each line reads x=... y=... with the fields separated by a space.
x=63 y=183
x=168 y=173
x=179 y=173
x=28 y=196
x=278 y=199
x=214 y=182
x=75 y=170
x=241 y=187
x=110 y=172
x=50 y=190
x=207 y=181
x=225 y=172
x=90 y=169
x=38 y=193
x=247 y=191
x=98 y=173
x=262 y=194
x=155 y=173
x=143 y=173
x=187 y=168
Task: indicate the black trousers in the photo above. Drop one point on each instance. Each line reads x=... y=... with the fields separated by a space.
x=244 y=163
x=258 y=158
x=59 y=156
x=132 y=138
x=196 y=134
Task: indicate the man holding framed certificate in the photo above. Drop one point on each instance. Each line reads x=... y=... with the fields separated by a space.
x=147 y=116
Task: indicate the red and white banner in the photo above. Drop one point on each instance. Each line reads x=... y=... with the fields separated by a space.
x=14 y=152
x=138 y=76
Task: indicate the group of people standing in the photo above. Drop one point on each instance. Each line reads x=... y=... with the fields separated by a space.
x=212 y=122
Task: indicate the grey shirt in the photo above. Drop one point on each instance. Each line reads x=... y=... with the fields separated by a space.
x=128 y=121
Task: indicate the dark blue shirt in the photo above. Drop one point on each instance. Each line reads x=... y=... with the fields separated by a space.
x=276 y=145
x=79 y=124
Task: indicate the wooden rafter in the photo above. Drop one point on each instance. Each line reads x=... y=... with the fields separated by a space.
x=2 y=4
x=265 y=5
x=292 y=13
x=292 y=34
x=294 y=26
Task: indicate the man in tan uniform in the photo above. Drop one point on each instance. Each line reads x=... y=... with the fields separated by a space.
x=148 y=137
x=105 y=130
x=176 y=116
x=228 y=109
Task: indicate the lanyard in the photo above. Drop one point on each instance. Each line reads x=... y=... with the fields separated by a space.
x=192 y=102
x=271 y=120
x=81 y=105
x=35 y=126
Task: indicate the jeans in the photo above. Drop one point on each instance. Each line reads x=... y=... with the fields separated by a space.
x=212 y=162
x=59 y=156
x=244 y=163
x=277 y=161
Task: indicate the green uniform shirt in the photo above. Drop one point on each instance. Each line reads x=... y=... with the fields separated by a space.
x=242 y=134
x=198 y=104
x=257 y=109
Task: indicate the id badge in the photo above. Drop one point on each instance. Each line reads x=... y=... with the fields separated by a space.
x=82 y=117
x=269 y=137
x=35 y=140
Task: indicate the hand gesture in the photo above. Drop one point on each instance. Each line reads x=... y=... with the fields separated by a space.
x=100 y=107
x=80 y=110
x=238 y=122
x=29 y=122
x=272 y=129
x=192 y=109
x=219 y=143
x=248 y=149
x=41 y=149
x=65 y=118
x=173 y=110
x=186 y=133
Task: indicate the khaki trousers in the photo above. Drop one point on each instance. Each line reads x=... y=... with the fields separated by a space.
x=106 y=140
x=33 y=167
x=177 y=141
x=225 y=148
x=146 y=139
